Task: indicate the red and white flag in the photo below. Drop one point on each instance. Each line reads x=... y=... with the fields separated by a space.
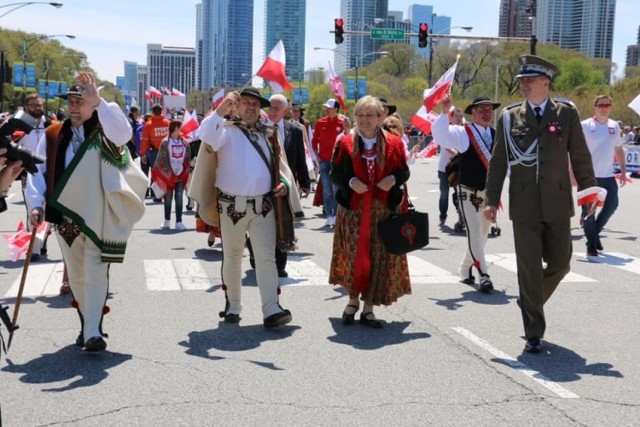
x=273 y=69
x=337 y=88
x=18 y=243
x=176 y=92
x=189 y=124
x=154 y=93
x=165 y=90
x=428 y=151
x=440 y=89
x=147 y=96
x=425 y=116
x=217 y=99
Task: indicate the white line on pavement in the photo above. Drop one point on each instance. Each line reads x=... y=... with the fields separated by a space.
x=615 y=259
x=508 y=262
x=42 y=279
x=519 y=366
x=423 y=272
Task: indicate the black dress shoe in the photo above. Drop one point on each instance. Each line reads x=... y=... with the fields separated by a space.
x=232 y=318
x=599 y=244
x=278 y=319
x=95 y=344
x=369 y=319
x=210 y=242
x=486 y=286
x=469 y=280
x=80 y=340
x=533 y=345
x=283 y=273
x=349 y=319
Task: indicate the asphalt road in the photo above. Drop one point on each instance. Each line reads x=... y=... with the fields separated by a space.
x=447 y=356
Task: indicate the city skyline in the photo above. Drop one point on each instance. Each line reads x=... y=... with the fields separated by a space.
x=175 y=25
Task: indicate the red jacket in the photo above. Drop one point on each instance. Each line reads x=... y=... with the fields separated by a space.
x=324 y=136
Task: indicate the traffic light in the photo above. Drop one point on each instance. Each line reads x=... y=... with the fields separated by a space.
x=339 y=30
x=423 y=34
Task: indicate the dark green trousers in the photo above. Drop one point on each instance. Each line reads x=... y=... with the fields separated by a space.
x=537 y=243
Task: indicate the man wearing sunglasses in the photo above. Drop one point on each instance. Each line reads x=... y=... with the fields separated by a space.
x=603 y=139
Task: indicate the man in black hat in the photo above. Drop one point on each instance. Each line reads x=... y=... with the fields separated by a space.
x=87 y=168
x=474 y=142
x=388 y=108
x=246 y=183
x=535 y=140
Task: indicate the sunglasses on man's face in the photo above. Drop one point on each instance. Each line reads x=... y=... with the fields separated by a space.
x=603 y=105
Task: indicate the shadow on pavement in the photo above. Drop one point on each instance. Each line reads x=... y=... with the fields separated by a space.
x=494 y=298
x=233 y=338
x=362 y=337
x=66 y=364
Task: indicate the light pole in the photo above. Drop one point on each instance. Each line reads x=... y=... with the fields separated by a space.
x=383 y=53
x=467 y=29
x=26 y=3
x=26 y=44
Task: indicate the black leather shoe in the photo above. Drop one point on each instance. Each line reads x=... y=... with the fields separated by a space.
x=533 y=345
x=80 y=340
x=278 y=319
x=469 y=280
x=232 y=318
x=599 y=244
x=369 y=319
x=210 y=242
x=95 y=344
x=349 y=319
x=486 y=286
x=283 y=273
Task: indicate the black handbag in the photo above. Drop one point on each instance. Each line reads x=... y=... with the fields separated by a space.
x=405 y=232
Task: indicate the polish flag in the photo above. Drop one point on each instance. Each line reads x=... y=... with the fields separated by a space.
x=189 y=124
x=595 y=195
x=147 y=96
x=440 y=89
x=273 y=69
x=428 y=151
x=176 y=92
x=18 y=243
x=155 y=93
x=165 y=90
x=217 y=99
x=423 y=119
x=336 y=87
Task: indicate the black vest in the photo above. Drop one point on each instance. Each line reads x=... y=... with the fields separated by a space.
x=472 y=172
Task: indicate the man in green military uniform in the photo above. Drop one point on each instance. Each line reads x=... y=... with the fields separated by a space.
x=535 y=140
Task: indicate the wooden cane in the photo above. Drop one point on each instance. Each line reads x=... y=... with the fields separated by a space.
x=25 y=268
x=279 y=201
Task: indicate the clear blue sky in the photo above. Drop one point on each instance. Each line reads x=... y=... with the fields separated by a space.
x=113 y=31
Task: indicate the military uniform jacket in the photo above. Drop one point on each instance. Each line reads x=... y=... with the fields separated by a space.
x=538 y=156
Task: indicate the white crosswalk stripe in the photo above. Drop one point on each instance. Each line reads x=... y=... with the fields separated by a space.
x=190 y=274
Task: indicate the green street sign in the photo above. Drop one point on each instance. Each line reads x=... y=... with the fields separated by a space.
x=387 y=34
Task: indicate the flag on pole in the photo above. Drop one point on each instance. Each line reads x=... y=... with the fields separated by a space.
x=176 y=92
x=273 y=69
x=18 y=243
x=428 y=151
x=425 y=116
x=155 y=93
x=165 y=90
x=441 y=88
x=147 y=96
x=189 y=123
x=635 y=104
x=217 y=99
x=336 y=87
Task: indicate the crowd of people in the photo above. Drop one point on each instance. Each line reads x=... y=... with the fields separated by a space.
x=245 y=172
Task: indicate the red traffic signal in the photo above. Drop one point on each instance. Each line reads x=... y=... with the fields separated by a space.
x=423 y=34
x=339 y=30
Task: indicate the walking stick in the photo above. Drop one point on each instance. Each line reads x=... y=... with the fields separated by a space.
x=25 y=268
x=279 y=201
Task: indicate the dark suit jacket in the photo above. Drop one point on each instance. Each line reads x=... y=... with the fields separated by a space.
x=560 y=141
x=294 y=147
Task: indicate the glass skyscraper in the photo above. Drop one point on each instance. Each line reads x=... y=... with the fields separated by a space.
x=285 y=20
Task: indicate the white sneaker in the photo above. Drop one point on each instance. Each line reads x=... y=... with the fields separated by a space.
x=165 y=224
x=327 y=222
x=180 y=226
x=332 y=221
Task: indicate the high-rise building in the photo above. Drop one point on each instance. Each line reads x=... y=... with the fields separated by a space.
x=582 y=25
x=515 y=18
x=285 y=20
x=143 y=85
x=633 y=53
x=438 y=24
x=198 y=74
x=359 y=15
x=130 y=77
x=224 y=38
x=173 y=67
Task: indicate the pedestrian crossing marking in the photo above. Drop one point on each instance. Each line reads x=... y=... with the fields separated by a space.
x=424 y=273
x=615 y=259
x=175 y=274
x=508 y=262
x=42 y=279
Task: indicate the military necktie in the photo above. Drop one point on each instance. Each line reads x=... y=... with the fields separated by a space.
x=538 y=111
